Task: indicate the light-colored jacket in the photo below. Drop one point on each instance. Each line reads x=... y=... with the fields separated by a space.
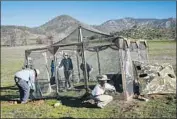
x=27 y=75
x=99 y=90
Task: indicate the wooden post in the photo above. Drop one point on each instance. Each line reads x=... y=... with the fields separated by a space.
x=26 y=60
x=83 y=59
x=147 y=51
x=78 y=67
x=79 y=40
x=138 y=43
x=122 y=67
x=56 y=76
x=98 y=59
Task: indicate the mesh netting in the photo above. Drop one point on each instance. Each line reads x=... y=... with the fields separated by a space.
x=143 y=54
x=139 y=52
x=104 y=59
x=41 y=60
x=134 y=51
x=60 y=71
x=87 y=35
x=129 y=75
x=110 y=57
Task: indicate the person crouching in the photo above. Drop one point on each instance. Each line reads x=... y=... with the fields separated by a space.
x=25 y=80
x=99 y=90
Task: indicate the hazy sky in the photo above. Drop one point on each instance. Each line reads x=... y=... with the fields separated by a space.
x=31 y=13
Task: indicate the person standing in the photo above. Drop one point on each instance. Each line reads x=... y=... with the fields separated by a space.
x=89 y=69
x=52 y=68
x=25 y=80
x=99 y=90
x=66 y=62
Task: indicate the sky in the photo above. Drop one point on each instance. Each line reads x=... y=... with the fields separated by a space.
x=36 y=13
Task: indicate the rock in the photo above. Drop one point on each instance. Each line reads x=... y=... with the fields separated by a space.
x=57 y=104
x=162 y=80
x=147 y=77
x=146 y=100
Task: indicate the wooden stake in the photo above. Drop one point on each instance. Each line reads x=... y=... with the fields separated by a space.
x=83 y=59
x=98 y=59
x=122 y=68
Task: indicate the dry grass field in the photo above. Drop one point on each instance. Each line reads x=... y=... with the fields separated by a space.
x=158 y=107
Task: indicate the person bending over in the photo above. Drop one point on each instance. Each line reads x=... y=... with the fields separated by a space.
x=25 y=80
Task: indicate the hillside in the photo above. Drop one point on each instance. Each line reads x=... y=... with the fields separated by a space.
x=61 y=26
x=19 y=35
x=148 y=33
x=127 y=23
x=55 y=30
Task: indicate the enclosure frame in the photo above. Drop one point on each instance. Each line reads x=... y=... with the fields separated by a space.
x=122 y=44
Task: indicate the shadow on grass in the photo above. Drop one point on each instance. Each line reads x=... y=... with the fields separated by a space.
x=75 y=102
x=9 y=88
x=67 y=118
x=7 y=93
x=66 y=100
x=9 y=97
x=82 y=87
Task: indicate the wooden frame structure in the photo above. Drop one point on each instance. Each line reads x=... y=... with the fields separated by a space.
x=122 y=45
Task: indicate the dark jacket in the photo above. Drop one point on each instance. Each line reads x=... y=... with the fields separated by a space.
x=88 y=67
x=67 y=64
x=52 y=66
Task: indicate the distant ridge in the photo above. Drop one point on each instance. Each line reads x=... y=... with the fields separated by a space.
x=61 y=26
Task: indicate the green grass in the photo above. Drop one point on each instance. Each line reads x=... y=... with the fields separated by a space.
x=162 y=51
x=161 y=108
x=47 y=110
x=12 y=61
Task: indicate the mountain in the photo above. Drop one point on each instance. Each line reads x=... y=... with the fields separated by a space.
x=61 y=26
x=55 y=29
x=128 y=23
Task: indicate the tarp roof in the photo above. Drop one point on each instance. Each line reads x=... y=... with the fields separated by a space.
x=87 y=31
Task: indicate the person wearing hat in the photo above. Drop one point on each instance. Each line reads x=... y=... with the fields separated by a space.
x=66 y=62
x=99 y=90
x=25 y=80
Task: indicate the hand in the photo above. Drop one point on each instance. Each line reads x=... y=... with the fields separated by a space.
x=113 y=90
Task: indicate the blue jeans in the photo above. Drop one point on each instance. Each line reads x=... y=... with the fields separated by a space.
x=24 y=90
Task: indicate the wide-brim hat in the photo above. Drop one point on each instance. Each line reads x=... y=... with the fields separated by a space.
x=64 y=54
x=102 y=78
